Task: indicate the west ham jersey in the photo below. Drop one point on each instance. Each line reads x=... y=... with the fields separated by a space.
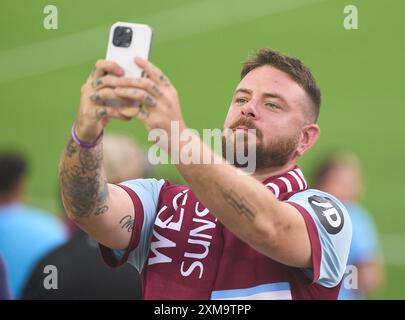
x=184 y=252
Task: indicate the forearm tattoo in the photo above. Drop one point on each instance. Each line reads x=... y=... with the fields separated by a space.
x=239 y=203
x=83 y=186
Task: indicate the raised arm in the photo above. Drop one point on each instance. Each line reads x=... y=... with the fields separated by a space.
x=103 y=210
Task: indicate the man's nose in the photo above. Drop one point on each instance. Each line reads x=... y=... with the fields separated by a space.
x=249 y=109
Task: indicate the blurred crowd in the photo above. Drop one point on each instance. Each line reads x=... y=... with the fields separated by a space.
x=32 y=239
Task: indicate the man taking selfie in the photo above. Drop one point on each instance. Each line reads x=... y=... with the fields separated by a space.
x=226 y=235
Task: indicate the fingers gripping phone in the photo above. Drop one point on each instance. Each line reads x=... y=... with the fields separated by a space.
x=126 y=41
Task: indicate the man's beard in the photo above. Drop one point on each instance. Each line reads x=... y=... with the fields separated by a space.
x=275 y=155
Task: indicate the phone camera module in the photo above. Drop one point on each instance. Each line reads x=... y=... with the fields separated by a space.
x=122 y=37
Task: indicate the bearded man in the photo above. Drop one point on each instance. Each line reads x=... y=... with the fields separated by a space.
x=226 y=235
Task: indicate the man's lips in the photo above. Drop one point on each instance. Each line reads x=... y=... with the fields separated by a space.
x=242 y=128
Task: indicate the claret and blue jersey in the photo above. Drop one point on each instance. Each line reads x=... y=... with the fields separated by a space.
x=183 y=252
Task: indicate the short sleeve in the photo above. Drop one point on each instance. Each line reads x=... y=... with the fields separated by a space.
x=330 y=232
x=145 y=197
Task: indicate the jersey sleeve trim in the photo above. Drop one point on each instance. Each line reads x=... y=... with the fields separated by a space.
x=316 y=251
x=108 y=254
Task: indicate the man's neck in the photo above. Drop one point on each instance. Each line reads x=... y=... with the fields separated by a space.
x=264 y=174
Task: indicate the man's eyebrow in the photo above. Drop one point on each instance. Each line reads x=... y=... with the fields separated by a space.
x=266 y=94
x=275 y=95
x=243 y=91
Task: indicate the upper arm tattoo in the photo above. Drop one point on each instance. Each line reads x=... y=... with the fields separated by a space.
x=127 y=222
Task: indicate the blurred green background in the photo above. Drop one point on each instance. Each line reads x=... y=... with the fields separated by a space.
x=200 y=45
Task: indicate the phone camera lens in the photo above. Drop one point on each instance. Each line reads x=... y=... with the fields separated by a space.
x=122 y=37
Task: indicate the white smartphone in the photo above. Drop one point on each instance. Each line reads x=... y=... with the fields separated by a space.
x=126 y=41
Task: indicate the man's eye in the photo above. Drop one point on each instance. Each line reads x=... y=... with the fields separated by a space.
x=272 y=105
x=240 y=101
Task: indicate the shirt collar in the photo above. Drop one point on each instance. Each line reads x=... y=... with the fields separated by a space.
x=285 y=185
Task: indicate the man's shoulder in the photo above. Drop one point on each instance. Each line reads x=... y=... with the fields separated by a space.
x=325 y=208
x=159 y=185
x=330 y=226
x=312 y=192
x=312 y=196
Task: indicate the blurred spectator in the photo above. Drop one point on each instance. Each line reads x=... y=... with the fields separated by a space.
x=340 y=175
x=26 y=234
x=4 y=289
x=82 y=274
x=119 y=151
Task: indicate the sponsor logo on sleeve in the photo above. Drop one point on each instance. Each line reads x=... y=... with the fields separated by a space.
x=328 y=212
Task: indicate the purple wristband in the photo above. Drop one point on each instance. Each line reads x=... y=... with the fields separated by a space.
x=86 y=145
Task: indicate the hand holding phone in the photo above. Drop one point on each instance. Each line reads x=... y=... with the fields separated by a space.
x=98 y=104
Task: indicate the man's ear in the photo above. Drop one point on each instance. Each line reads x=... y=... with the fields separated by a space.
x=309 y=135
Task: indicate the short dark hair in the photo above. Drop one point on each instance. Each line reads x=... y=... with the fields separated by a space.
x=294 y=67
x=13 y=167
